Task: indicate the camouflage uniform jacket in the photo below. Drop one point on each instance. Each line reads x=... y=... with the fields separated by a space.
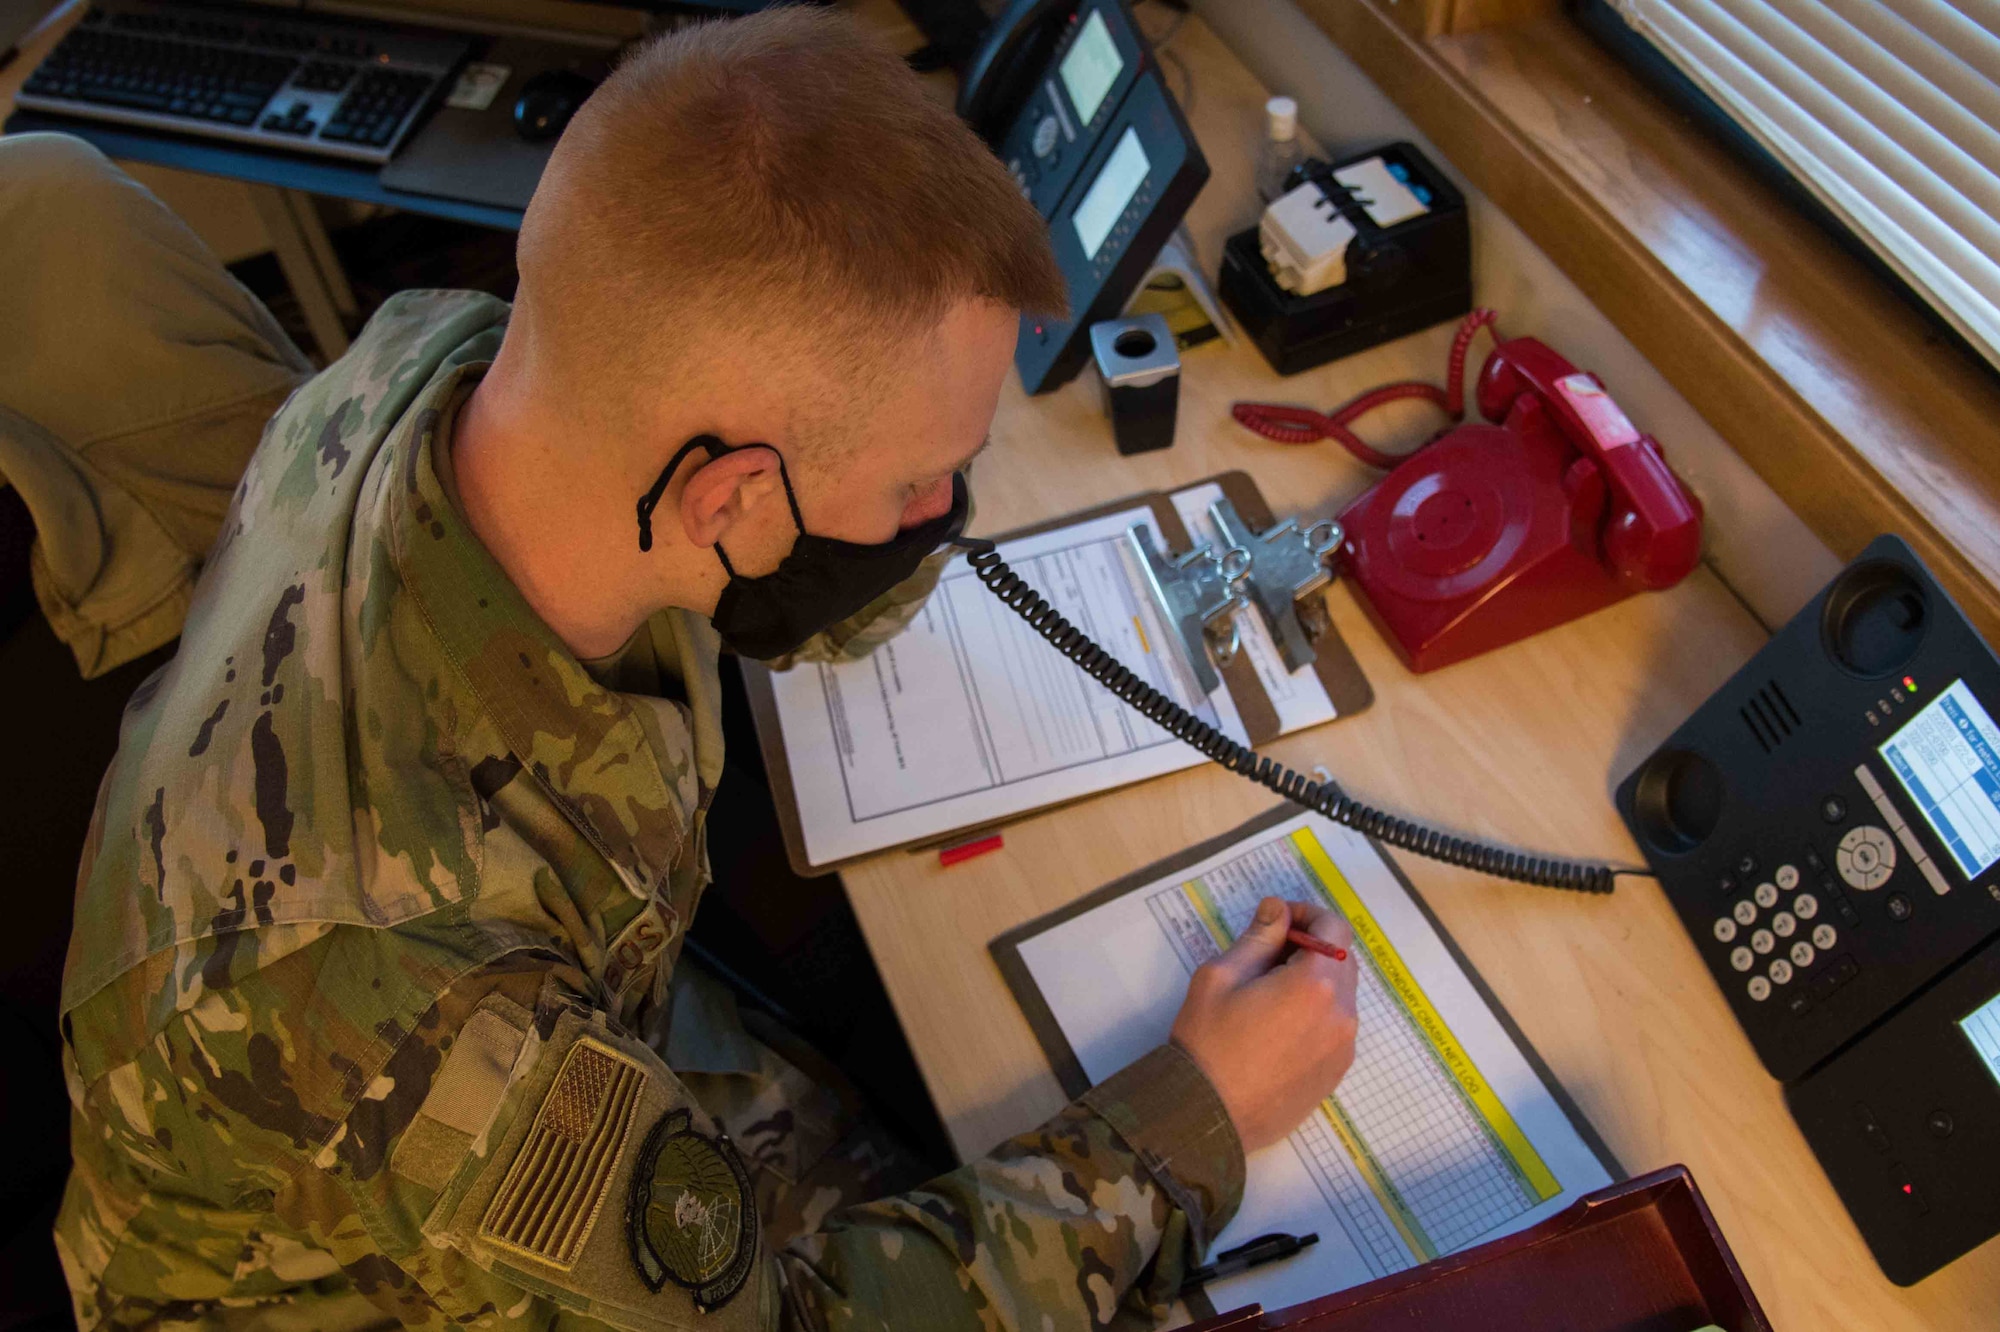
x=363 y=1008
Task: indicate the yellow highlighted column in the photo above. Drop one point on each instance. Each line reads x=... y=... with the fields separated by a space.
x=1389 y=964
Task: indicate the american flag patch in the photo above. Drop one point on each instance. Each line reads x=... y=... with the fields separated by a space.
x=549 y=1201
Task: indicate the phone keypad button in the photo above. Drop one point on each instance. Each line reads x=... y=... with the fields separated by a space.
x=1781 y=971
x=1783 y=925
x=1803 y=954
x=1824 y=937
x=1787 y=877
x=1766 y=895
x=1725 y=930
x=1759 y=988
x=1741 y=958
x=1745 y=912
x=1762 y=941
x=1805 y=906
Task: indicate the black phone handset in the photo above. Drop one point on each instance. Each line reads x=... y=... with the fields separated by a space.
x=1008 y=58
x=1068 y=96
x=1323 y=798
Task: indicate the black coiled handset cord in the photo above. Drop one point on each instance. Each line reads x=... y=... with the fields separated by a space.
x=1324 y=798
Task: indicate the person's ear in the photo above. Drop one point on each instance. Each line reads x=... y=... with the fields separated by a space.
x=724 y=490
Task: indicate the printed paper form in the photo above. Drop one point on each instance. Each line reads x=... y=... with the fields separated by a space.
x=1441 y=1136
x=969 y=716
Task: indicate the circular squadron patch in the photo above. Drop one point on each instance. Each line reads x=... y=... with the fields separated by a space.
x=692 y=1218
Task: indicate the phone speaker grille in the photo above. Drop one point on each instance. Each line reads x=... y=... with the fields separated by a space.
x=1770 y=716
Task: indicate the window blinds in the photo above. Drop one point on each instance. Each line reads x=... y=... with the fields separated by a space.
x=1887 y=110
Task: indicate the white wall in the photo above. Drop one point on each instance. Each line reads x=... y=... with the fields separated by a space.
x=1754 y=543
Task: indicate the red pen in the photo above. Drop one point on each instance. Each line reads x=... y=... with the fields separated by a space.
x=964 y=851
x=1320 y=946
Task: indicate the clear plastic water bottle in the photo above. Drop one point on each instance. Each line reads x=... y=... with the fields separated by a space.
x=1281 y=151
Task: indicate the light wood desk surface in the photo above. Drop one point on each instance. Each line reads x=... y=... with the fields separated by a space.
x=1522 y=746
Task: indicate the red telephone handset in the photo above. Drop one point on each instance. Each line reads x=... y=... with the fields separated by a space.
x=1493 y=532
x=1652 y=536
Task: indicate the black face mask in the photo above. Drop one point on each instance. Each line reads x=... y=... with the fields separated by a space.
x=820 y=583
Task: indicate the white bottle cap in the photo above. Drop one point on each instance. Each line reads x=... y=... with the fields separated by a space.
x=1282 y=118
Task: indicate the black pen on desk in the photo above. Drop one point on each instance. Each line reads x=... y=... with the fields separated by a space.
x=1232 y=1262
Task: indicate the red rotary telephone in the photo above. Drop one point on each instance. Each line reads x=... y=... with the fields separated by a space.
x=1491 y=533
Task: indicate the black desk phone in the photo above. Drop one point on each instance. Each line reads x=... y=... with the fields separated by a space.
x=1827 y=826
x=1068 y=94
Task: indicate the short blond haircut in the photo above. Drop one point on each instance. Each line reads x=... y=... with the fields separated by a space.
x=779 y=171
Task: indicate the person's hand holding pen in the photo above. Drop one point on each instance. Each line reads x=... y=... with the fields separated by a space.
x=1271 y=1024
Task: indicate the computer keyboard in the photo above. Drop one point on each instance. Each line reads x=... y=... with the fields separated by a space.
x=331 y=87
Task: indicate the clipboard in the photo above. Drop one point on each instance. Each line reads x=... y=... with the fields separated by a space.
x=1334 y=664
x=1006 y=951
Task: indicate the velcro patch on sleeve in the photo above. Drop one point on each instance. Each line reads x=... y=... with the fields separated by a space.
x=468 y=1088
x=548 y=1202
x=464 y=1097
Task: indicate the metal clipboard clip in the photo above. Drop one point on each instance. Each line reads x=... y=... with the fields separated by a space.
x=1287 y=567
x=1199 y=593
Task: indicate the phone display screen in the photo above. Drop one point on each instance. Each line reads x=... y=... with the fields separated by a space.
x=1948 y=759
x=1124 y=172
x=1091 y=67
x=1982 y=1027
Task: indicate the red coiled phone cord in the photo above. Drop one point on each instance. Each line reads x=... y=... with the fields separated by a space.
x=1302 y=425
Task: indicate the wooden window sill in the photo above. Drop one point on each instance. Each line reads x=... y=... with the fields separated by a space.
x=1845 y=400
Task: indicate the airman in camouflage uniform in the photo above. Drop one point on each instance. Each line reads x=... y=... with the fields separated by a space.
x=374 y=1011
